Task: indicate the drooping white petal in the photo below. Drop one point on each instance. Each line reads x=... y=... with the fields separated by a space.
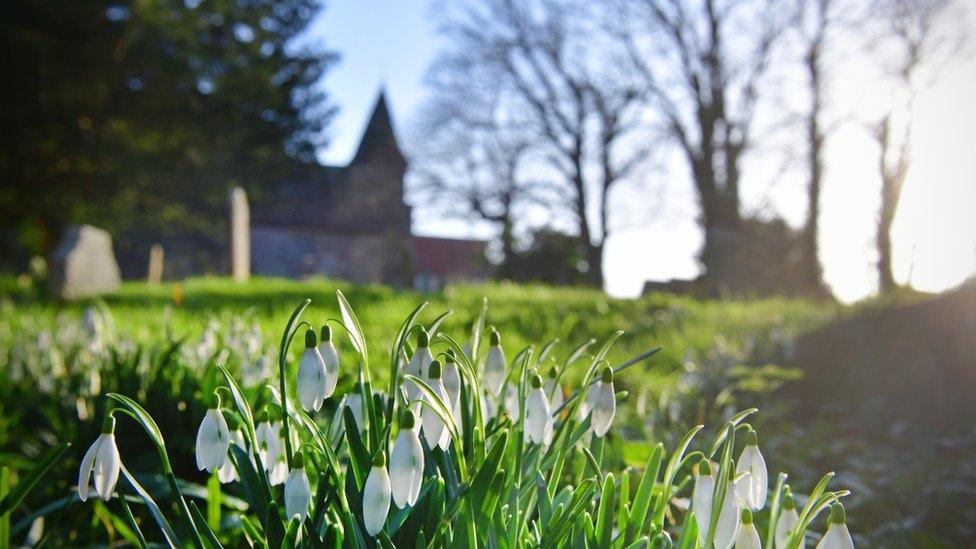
x=701 y=504
x=788 y=519
x=495 y=369
x=107 y=467
x=298 y=495
x=406 y=468
x=433 y=426
x=538 y=419
x=748 y=538
x=837 y=537
x=728 y=519
x=554 y=393
x=451 y=379
x=213 y=441
x=279 y=471
x=604 y=408
x=331 y=358
x=376 y=500
x=752 y=487
x=87 y=463
x=354 y=401
x=512 y=402
x=227 y=473
x=417 y=367
x=311 y=379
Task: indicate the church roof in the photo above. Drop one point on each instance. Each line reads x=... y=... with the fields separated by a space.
x=379 y=136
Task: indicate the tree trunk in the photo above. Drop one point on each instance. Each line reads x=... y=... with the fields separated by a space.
x=721 y=254
x=812 y=270
x=886 y=277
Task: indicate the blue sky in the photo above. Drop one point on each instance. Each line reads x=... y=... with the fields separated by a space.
x=391 y=43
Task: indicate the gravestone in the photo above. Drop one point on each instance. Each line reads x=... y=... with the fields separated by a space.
x=155 y=275
x=240 y=235
x=83 y=263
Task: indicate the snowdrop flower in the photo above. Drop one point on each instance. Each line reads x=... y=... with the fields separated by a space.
x=451 y=378
x=748 y=537
x=837 y=536
x=495 y=363
x=102 y=458
x=752 y=487
x=436 y=432
x=602 y=403
x=331 y=358
x=787 y=521
x=376 y=496
x=227 y=472
x=489 y=406
x=354 y=401
x=512 y=407
x=298 y=495
x=728 y=518
x=406 y=463
x=418 y=365
x=701 y=499
x=538 y=418
x=554 y=392
x=311 y=375
x=213 y=438
x=268 y=441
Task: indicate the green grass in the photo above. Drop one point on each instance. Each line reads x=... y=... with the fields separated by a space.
x=523 y=314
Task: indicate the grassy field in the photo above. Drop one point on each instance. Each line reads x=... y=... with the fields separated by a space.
x=685 y=328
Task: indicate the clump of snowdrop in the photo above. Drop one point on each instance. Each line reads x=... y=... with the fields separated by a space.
x=435 y=431
x=298 y=494
x=406 y=463
x=331 y=358
x=755 y=482
x=538 y=417
x=495 y=373
x=312 y=384
x=213 y=438
x=727 y=527
x=701 y=499
x=102 y=459
x=451 y=378
x=376 y=496
x=602 y=403
x=837 y=535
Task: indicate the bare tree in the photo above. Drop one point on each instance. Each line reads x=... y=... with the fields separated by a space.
x=577 y=104
x=917 y=40
x=705 y=82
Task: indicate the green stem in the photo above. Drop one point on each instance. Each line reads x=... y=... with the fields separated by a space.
x=286 y=338
x=5 y=519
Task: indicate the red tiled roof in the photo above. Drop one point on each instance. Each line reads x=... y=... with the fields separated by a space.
x=450 y=258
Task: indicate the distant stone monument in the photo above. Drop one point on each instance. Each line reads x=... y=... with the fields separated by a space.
x=83 y=263
x=155 y=275
x=240 y=235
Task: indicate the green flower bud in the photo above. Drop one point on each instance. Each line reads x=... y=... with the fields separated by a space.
x=310 y=339
x=379 y=460
x=751 y=438
x=407 y=421
x=606 y=375
x=746 y=516
x=434 y=369
x=837 y=513
x=704 y=468
x=214 y=402
x=298 y=460
x=326 y=333
x=423 y=339
x=536 y=381
x=494 y=338
x=108 y=424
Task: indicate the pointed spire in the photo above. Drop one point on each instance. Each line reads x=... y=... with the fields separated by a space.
x=379 y=136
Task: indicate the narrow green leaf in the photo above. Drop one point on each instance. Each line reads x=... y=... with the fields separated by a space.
x=157 y=514
x=17 y=495
x=604 y=518
x=642 y=500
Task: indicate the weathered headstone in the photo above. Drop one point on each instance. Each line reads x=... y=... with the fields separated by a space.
x=240 y=235
x=155 y=275
x=83 y=263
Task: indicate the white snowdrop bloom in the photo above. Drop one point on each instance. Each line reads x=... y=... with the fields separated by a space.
x=331 y=358
x=538 y=417
x=418 y=365
x=554 y=392
x=213 y=438
x=602 y=403
x=489 y=406
x=278 y=473
x=376 y=496
x=495 y=364
x=298 y=495
x=753 y=486
x=102 y=459
x=311 y=384
x=837 y=535
x=701 y=499
x=728 y=519
x=354 y=401
x=787 y=521
x=451 y=378
x=406 y=463
x=512 y=407
x=435 y=431
x=268 y=441
x=227 y=472
x=748 y=536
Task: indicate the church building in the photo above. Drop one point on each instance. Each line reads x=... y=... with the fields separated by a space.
x=352 y=222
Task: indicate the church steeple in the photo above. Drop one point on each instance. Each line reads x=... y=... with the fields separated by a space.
x=379 y=141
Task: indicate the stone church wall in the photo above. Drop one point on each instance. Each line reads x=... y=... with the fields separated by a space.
x=296 y=253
